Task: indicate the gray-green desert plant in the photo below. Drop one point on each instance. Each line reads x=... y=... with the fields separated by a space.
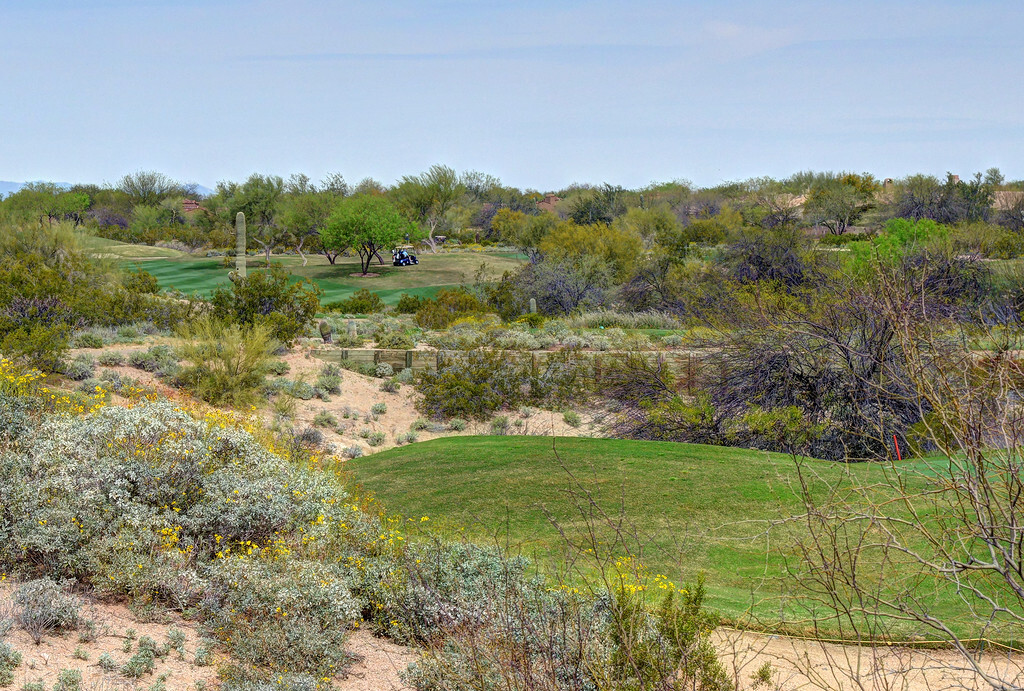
x=45 y=606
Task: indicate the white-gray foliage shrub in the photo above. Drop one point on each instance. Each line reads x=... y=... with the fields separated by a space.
x=43 y=605
x=517 y=340
x=112 y=358
x=383 y=370
x=79 y=368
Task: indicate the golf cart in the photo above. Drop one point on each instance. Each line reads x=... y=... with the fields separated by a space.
x=400 y=256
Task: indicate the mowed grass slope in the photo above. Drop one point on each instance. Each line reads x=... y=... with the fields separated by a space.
x=699 y=509
x=201 y=275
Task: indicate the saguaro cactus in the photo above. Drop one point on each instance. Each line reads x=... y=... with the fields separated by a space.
x=240 y=244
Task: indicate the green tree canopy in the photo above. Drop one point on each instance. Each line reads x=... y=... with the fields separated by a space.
x=259 y=198
x=838 y=203
x=366 y=223
x=428 y=197
x=304 y=215
x=617 y=249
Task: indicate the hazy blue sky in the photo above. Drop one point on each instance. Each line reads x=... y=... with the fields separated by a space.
x=540 y=94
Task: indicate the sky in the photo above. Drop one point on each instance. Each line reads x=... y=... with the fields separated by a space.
x=539 y=94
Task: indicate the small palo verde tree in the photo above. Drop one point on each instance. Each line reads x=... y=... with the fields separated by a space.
x=367 y=224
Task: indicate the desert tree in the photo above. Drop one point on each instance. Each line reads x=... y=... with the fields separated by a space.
x=874 y=560
x=428 y=197
x=148 y=187
x=367 y=224
x=840 y=202
x=259 y=198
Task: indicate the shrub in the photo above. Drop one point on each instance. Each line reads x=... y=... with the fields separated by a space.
x=352 y=451
x=408 y=304
x=457 y=424
x=331 y=383
x=39 y=346
x=572 y=418
x=360 y=302
x=278 y=367
x=68 y=680
x=45 y=606
x=375 y=438
x=446 y=307
x=383 y=370
x=390 y=385
x=91 y=387
x=142 y=662
x=204 y=654
x=500 y=425
x=406 y=438
x=379 y=409
x=228 y=361
x=309 y=437
x=88 y=339
x=518 y=340
x=80 y=368
x=324 y=419
x=107 y=662
x=300 y=389
x=9 y=659
x=404 y=376
x=271 y=299
x=158 y=359
x=394 y=339
x=532 y=319
x=111 y=358
x=473 y=385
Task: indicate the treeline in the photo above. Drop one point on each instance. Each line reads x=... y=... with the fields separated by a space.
x=290 y=214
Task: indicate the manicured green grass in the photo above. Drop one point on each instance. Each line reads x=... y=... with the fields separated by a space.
x=203 y=275
x=701 y=506
x=698 y=508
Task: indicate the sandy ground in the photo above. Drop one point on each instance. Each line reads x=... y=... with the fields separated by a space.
x=358 y=394
x=795 y=663
x=808 y=664
x=377 y=668
x=55 y=653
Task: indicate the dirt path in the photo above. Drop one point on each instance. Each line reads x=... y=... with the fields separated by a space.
x=808 y=664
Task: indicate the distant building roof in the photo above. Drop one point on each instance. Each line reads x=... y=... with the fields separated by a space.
x=190 y=205
x=548 y=203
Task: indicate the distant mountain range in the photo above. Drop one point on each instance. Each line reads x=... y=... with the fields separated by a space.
x=8 y=187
